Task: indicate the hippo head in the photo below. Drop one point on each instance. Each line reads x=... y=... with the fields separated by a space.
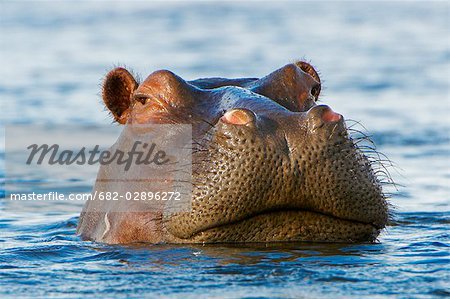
x=269 y=163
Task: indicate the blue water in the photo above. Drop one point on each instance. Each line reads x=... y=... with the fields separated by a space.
x=385 y=64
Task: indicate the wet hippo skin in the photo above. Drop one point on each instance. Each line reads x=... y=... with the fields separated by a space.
x=269 y=164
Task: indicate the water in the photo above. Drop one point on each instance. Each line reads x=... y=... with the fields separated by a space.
x=384 y=63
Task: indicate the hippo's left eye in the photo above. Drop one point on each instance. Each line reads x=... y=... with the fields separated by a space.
x=151 y=102
x=142 y=99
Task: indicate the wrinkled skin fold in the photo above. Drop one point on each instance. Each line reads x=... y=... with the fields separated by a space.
x=269 y=164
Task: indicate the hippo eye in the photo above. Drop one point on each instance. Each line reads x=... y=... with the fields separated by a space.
x=151 y=102
x=142 y=98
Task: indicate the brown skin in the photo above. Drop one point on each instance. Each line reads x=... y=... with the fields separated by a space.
x=282 y=167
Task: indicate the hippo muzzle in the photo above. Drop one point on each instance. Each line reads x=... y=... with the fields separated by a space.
x=269 y=164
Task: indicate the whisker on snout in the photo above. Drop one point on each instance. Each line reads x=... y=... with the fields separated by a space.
x=379 y=162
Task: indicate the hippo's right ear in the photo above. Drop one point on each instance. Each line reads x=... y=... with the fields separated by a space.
x=117 y=93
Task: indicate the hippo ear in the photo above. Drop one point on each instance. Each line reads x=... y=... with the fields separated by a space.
x=308 y=68
x=295 y=86
x=118 y=89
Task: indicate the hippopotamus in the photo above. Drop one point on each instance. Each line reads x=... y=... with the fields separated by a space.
x=288 y=169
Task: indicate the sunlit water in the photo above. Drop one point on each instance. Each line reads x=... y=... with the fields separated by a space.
x=384 y=64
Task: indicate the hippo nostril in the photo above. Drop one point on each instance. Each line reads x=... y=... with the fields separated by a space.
x=238 y=117
x=330 y=116
x=322 y=114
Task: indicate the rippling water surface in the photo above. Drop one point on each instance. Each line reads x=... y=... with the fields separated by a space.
x=385 y=64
